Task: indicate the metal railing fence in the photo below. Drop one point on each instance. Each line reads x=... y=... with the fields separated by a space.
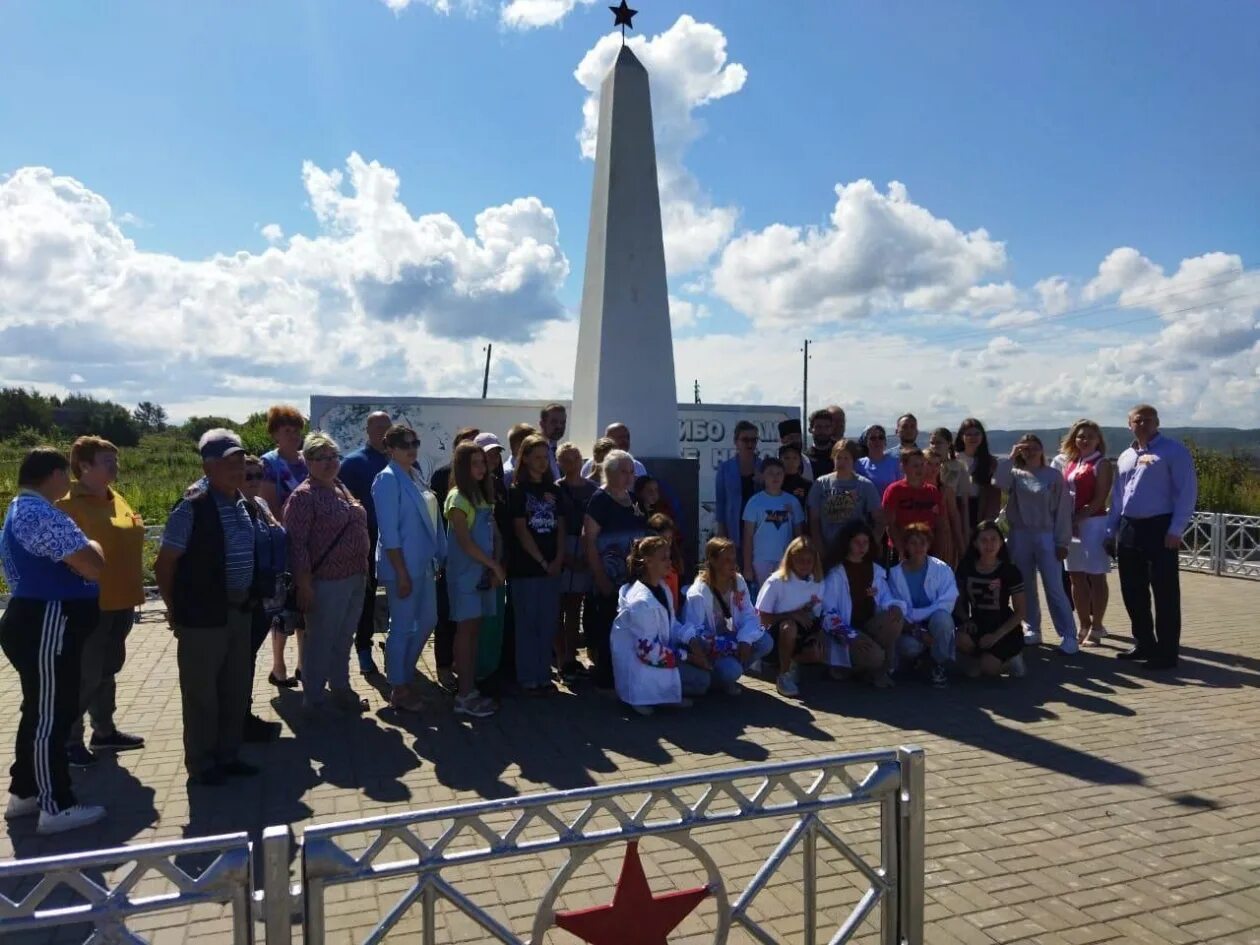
x=106 y=888
x=424 y=848
x=1222 y=543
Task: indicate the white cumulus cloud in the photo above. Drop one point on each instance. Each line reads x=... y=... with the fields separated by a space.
x=880 y=252
x=689 y=68
x=375 y=295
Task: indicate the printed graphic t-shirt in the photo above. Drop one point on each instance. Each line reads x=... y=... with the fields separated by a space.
x=541 y=505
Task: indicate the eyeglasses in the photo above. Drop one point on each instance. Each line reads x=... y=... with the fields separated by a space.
x=253 y=477
x=326 y=458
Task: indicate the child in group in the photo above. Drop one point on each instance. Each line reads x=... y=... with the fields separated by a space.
x=575 y=578
x=926 y=592
x=910 y=500
x=947 y=540
x=990 y=605
x=790 y=604
x=720 y=629
x=472 y=568
x=664 y=526
x=645 y=632
x=1039 y=512
x=795 y=482
x=771 y=519
x=861 y=621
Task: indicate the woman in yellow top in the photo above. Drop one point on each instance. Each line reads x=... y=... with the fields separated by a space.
x=105 y=517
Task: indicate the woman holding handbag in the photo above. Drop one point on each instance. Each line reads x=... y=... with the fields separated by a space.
x=328 y=548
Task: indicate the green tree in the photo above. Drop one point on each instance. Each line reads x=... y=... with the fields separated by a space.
x=81 y=415
x=196 y=426
x=23 y=409
x=150 y=417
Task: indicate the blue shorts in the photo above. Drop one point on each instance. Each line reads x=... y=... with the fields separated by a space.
x=471 y=604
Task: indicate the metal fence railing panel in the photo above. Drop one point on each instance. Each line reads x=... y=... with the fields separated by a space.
x=108 y=889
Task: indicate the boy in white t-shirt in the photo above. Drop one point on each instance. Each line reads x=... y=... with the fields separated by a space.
x=772 y=518
x=790 y=605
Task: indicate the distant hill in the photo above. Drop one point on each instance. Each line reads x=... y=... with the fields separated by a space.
x=1221 y=439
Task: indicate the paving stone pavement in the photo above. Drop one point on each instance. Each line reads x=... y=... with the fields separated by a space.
x=1091 y=802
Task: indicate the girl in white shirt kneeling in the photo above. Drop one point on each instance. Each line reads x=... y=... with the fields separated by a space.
x=790 y=605
x=645 y=632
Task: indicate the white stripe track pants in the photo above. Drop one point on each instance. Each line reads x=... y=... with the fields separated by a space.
x=41 y=639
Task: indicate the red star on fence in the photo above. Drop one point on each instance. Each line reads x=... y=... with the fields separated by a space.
x=635 y=916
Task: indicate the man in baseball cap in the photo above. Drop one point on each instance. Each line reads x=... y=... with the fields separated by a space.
x=219 y=444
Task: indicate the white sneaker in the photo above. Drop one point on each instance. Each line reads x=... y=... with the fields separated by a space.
x=1017 y=667
x=786 y=684
x=1032 y=638
x=21 y=807
x=1069 y=646
x=72 y=818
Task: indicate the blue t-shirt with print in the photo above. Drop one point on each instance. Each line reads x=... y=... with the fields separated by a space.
x=774 y=519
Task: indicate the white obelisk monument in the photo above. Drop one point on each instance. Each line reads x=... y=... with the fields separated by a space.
x=625 y=357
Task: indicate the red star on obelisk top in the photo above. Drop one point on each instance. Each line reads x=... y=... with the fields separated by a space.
x=635 y=917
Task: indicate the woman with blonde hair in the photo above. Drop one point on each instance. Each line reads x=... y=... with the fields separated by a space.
x=645 y=631
x=106 y=518
x=328 y=549
x=790 y=605
x=1088 y=476
x=721 y=629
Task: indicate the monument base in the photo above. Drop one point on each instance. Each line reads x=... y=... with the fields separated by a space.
x=680 y=485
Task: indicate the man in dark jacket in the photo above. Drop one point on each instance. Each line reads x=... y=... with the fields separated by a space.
x=206 y=574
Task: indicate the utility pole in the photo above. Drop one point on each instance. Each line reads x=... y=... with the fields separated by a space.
x=805 y=387
x=697 y=391
x=485 y=380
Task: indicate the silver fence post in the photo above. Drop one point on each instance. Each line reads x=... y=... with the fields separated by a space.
x=428 y=902
x=1218 y=542
x=911 y=842
x=277 y=844
x=889 y=911
x=810 y=880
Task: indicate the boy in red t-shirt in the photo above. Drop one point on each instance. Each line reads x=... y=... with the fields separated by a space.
x=910 y=499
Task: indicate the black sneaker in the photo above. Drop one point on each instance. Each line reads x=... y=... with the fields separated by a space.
x=80 y=757
x=116 y=741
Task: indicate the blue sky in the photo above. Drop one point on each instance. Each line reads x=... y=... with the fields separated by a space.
x=1065 y=131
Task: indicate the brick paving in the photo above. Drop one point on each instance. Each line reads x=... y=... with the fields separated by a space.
x=1088 y=803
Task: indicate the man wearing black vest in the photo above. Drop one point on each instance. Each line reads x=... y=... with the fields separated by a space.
x=206 y=574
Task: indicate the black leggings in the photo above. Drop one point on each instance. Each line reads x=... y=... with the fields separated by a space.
x=600 y=612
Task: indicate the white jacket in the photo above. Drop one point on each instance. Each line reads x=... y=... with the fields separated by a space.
x=838 y=605
x=645 y=632
x=939 y=584
x=702 y=615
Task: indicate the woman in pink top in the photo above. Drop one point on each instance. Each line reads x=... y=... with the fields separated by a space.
x=1088 y=476
x=328 y=555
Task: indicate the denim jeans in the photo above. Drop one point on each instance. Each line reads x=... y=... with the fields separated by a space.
x=726 y=669
x=940 y=630
x=1034 y=553
x=407 y=635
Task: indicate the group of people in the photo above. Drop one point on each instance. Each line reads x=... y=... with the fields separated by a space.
x=869 y=561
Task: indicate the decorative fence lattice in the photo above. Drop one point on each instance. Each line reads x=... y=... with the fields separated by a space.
x=425 y=850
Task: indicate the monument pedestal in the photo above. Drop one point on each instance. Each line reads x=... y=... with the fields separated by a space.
x=680 y=484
